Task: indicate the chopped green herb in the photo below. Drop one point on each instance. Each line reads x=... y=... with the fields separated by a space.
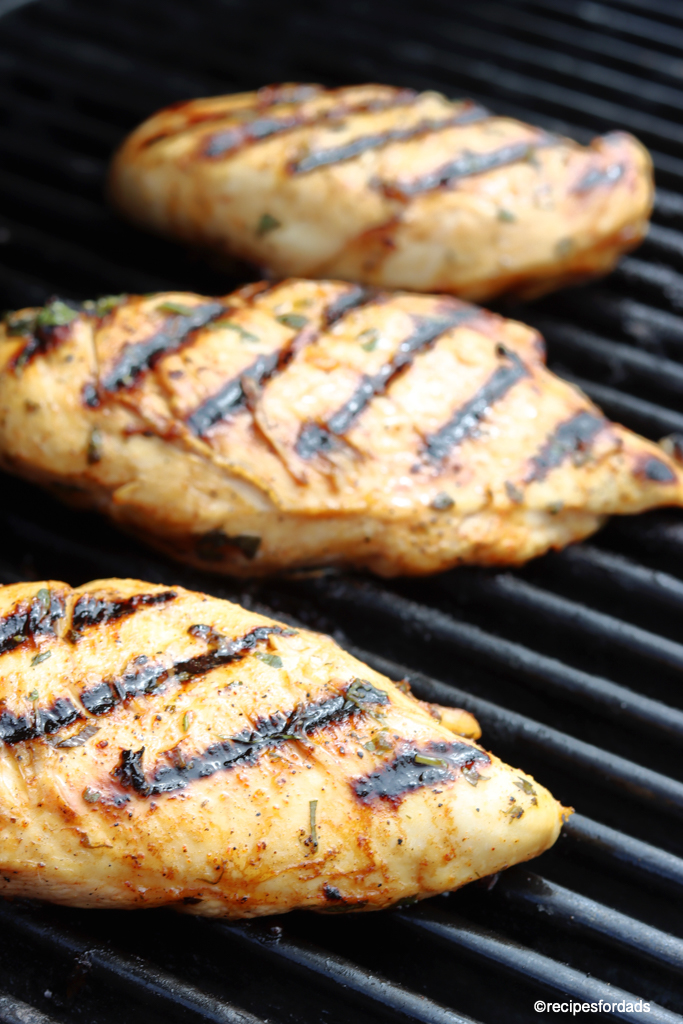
x=555 y=507
x=361 y=692
x=91 y=795
x=368 y=339
x=94 y=452
x=174 y=307
x=370 y=746
x=187 y=718
x=407 y=901
x=442 y=502
x=524 y=785
x=506 y=215
x=33 y=695
x=564 y=247
x=274 y=660
x=230 y=325
x=41 y=657
x=20 y=324
x=43 y=595
x=293 y=320
x=515 y=812
x=514 y=493
x=211 y=546
x=79 y=739
x=105 y=304
x=471 y=775
x=312 y=810
x=56 y=314
x=383 y=742
x=267 y=223
x=434 y=762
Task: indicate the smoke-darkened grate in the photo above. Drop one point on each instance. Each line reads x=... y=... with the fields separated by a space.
x=573 y=665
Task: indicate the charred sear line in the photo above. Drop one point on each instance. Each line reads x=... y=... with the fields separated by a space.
x=465 y=422
x=239 y=136
x=404 y=773
x=91 y=610
x=464 y=166
x=316 y=438
x=247 y=746
x=365 y=143
x=598 y=176
x=568 y=440
x=657 y=471
x=45 y=722
x=233 y=396
x=351 y=299
x=44 y=329
x=140 y=356
x=144 y=676
x=27 y=621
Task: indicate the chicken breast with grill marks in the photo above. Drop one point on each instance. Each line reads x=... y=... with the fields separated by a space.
x=164 y=747
x=387 y=187
x=314 y=423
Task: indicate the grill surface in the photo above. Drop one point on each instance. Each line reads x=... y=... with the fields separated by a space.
x=573 y=665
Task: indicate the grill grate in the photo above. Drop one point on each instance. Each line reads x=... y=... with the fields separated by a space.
x=573 y=665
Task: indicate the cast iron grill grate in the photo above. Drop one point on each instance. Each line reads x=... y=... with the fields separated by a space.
x=573 y=665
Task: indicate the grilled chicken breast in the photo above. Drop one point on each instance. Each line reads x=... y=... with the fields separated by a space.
x=312 y=423
x=164 y=747
x=387 y=187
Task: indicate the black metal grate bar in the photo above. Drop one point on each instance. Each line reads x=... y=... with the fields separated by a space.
x=336 y=973
x=647 y=864
x=459 y=934
x=14 y=1011
x=164 y=993
x=509 y=728
x=507 y=590
x=574 y=642
x=533 y=894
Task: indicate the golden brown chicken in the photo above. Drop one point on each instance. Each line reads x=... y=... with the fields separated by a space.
x=164 y=747
x=385 y=186
x=312 y=423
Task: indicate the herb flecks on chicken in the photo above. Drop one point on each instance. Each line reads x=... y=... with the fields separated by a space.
x=177 y=749
x=385 y=186
x=310 y=423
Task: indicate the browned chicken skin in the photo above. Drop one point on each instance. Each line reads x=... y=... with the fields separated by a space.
x=385 y=186
x=312 y=423
x=164 y=747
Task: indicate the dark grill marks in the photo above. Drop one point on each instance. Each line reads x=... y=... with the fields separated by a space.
x=141 y=355
x=232 y=396
x=315 y=438
x=247 y=746
x=597 y=177
x=465 y=421
x=91 y=610
x=30 y=620
x=657 y=471
x=353 y=298
x=15 y=729
x=404 y=774
x=144 y=676
x=364 y=143
x=463 y=166
x=239 y=136
x=568 y=439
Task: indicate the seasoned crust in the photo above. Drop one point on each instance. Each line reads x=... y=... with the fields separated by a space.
x=313 y=423
x=387 y=187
